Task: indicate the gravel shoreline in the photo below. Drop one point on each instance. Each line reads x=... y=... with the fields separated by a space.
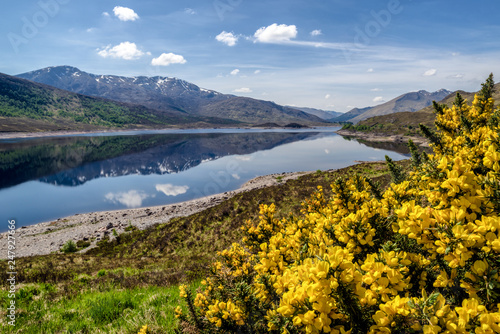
x=48 y=237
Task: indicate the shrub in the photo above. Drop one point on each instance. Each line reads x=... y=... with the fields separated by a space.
x=130 y=227
x=82 y=244
x=423 y=257
x=69 y=247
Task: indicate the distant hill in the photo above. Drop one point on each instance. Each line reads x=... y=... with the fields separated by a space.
x=250 y=110
x=407 y=123
x=411 y=102
x=346 y=117
x=448 y=100
x=30 y=106
x=324 y=114
x=168 y=94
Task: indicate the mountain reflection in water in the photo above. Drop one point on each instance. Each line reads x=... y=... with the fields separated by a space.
x=72 y=161
x=42 y=179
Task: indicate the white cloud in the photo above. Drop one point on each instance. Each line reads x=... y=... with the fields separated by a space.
x=430 y=73
x=131 y=199
x=166 y=59
x=91 y=30
x=256 y=72
x=236 y=176
x=376 y=89
x=189 y=11
x=106 y=14
x=227 y=38
x=458 y=76
x=125 y=14
x=370 y=70
x=327 y=151
x=327 y=96
x=125 y=50
x=235 y=71
x=243 y=90
x=378 y=99
x=276 y=33
x=171 y=190
x=316 y=32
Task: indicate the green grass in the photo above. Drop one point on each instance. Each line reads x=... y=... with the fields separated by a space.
x=98 y=309
x=126 y=283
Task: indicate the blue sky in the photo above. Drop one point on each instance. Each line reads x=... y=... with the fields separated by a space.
x=327 y=54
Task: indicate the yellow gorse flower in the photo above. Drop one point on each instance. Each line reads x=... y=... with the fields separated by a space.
x=421 y=258
x=143 y=330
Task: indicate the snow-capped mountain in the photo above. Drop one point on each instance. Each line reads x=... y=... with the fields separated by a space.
x=154 y=92
x=166 y=93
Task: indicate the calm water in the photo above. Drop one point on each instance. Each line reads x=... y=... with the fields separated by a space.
x=43 y=179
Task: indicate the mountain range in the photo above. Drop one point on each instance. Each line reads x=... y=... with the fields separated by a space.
x=29 y=106
x=324 y=114
x=171 y=95
x=407 y=123
x=409 y=102
x=64 y=97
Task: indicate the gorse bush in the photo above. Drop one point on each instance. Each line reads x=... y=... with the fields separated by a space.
x=143 y=330
x=69 y=247
x=422 y=256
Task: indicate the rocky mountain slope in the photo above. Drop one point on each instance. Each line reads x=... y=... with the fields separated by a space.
x=407 y=123
x=411 y=102
x=165 y=93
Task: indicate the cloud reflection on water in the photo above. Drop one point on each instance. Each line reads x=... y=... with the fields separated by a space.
x=171 y=190
x=131 y=199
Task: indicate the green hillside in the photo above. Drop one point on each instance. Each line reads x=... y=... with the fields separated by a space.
x=28 y=106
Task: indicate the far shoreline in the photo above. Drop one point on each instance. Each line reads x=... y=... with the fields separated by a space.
x=378 y=137
x=63 y=133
